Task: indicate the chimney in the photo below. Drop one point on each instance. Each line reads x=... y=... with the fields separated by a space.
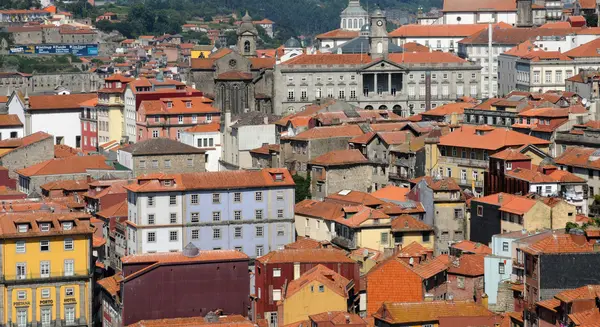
x=347 y=319
x=500 y=198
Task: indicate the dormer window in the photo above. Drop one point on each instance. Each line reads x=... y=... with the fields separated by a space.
x=278 y=177
x=167 y=183
x=45 y=227
x=188 y=104
x=67 y=225
x=169 y=104
x=23 y=228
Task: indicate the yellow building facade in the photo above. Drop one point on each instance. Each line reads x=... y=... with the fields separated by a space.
x=46 y=269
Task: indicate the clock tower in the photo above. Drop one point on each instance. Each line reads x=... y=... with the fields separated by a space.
x=379 y=39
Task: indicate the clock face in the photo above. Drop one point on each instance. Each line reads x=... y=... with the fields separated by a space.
x=379 y=22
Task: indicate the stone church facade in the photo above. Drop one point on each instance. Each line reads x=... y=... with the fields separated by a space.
x=237 y=79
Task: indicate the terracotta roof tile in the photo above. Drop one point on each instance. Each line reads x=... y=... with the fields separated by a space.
x=558 y=243
x=118 y=210
x=416 y=312
x=338 y=318
x=498 y=138
x=338 y=34
x=305 y=256
x=9 y=222
x=325 y=276
x=340 y=158
x=187 y=105
x=24 y=141
x=349 y=197
x=305 y=243
x=448 y=109
x=587 y=318
x=406 y=223
x=564 y=176
x=205 y=128
x=53 y=102
x=267 y=149
x=579 y=157
x=442 y=184
x=67 y=185
x=111 y=284
x=64 y=151
x=329 y=59
x=586 y=50
x=436 y=57
x=223 y=321
x=179 y=257
x=318 y=209
x=391 y=192
x=415 y=47
x=468 y=265
x=550 y=304
x=529 y=175
x=413 y=249
x=510 y=154
x=474 y=321
x=10 y=120
x=472 y=247
x=329 y=132
x=69 y=165
x=485 y=5
x=430 y=268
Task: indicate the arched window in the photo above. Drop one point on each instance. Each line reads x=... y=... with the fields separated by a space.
x=355 y=23
x=383 y=107
x=344 y=23
x=361 y=23
x=247 y=47
x=369 y=107
x=379 y=47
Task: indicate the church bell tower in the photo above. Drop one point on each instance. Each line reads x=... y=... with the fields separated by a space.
x=247 y=35
x=379 y=39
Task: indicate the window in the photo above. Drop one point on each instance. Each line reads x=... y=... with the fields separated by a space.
x=216 y=198
x=151 y=236
x=239 y=249
x=45 y=227
x=280 y=231
x=69 y=244
x=45 y=269
x=279 y=213
x=20 y=246
x=259 y=250
x=21 y=270
x=258 y=196
x=384 y=238
x=480 y=211
x=150 y=201
x=258 y=214
x=46 y=313
x=195 y=234
x=151 y=220
x=276 y=272
x=173 y=218
x=321 y=288
x=259 y=231
x=168 y=163
x=173 y=236
x=505 y=246
x=45 y=293
x=190 y=161
x=276 y=295
x=558 y=76
x=237 y=197
x=172 y=200
x=501 y=268
x=70 y=315
x=195 y=217
x=237 y=232
x=21 y=295
x=548 y=78
x=216 y=215
x=195 y=199
x=426 y=237
x=69 y=267
x=458 y=213
x=536 y=77
x=22 y=317
x=67 y=225
x=154 y=163
x=44 y=245
x=155 y=134
x=460 y=282
x=180 y=119
x=216 y=234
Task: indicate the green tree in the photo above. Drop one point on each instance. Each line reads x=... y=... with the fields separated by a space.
x=591 y=19
x=302 y=187
x=119 y=60
x=570 y=225
x=231 y=37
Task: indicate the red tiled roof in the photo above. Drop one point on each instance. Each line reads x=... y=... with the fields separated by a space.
x=325 y=276
x=69 y=165
x=415 y=47
x=432 y=267
x=391 y=192
x=234 y=76
x=587 y=318
x=318 y=209
x=117 y=210
x=52 y=102
x=305 y=256
x=111 y=284
x=413 y=249
x=363 y=215
x=354 y=198
x=329 y=59
x=588 y=292
x=267 y=149
x=498 y=138
x=338 y=34
x=338 y=318
x=468 y=265
x=529 y=175
x=587 y=50
x=304 y=243
x=406 y=223
x=558 y=243
x=442 y=184
x=329 y=132
x=417 y=312
x=550 y=304
x=205 y=128
x=448 y=109
x=587 y=4
x=198 y=104
x=510 y=154
x=68 y=185
x=179 y=257
x=10 y=120
x=579 y=157
x=472 y=247
x=223 y=321
x=340 y=158
x=64 y=151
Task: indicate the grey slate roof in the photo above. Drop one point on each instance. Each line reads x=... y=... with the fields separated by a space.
x=361 y=44
x=160 y=146
x=254 y=118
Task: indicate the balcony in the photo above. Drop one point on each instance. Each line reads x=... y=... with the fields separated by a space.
x=84 y=115
x=402 y=177
x=468 y=182
x=466 y=162
x=344 y=242
x=46 y=278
